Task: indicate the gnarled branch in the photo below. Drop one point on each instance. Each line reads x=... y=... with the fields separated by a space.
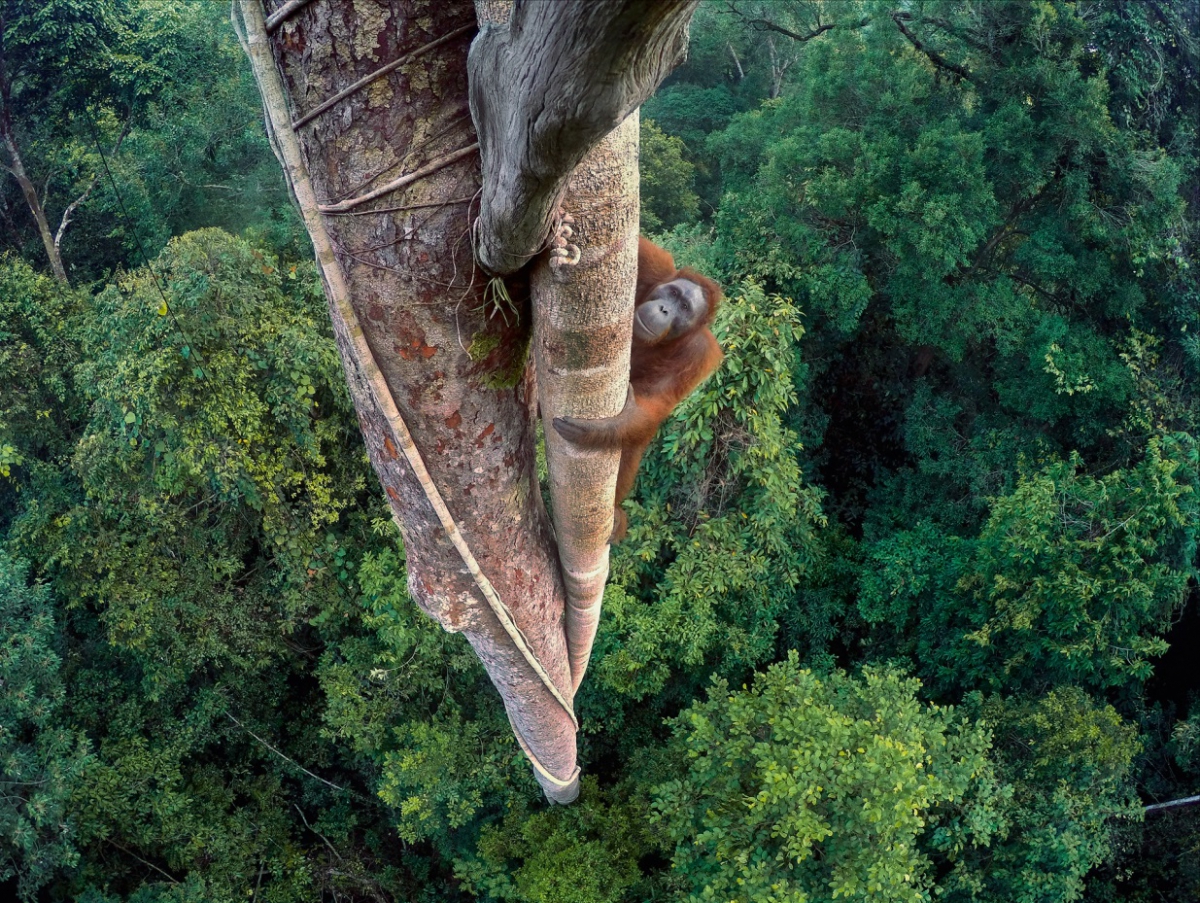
x=545 y=87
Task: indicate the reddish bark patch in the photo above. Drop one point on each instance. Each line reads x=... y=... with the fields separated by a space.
x=414 y=350
x=454 y=421
x=390 y=447
x=487 y=431
x=410 y=339
x=392 y=494
x=375 y=312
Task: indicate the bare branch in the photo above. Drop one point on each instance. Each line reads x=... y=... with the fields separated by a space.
x=768 y=25
x=71 y=208
x=760 y=24
x=736 y=61
x=124 y=849
x=79 y=201
x=282 y=756
x=1173 y=804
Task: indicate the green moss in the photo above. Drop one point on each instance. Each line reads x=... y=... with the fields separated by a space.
x=509 y=367
x=482 y=345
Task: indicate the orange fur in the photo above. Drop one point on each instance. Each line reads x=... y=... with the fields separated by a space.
x=660 y=376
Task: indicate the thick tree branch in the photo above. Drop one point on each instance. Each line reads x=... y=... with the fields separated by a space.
x=934 y=57
x=16 y=166
x=545 y=87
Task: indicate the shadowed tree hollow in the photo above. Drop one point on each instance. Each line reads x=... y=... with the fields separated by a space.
x=433 y=148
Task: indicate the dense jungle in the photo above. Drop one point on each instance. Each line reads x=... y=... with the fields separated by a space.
x=908 y=608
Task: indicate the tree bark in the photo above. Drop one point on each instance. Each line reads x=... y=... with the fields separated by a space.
x=545 y=88
x=415 y=342
x=582 y=331
x=582 y=319
x=16 y=166
x=368 y=107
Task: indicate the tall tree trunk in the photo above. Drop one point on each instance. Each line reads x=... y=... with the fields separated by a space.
x=547 y=82
x=582 y=329
x=368 y=107
x=17 y=167
x=415 y=341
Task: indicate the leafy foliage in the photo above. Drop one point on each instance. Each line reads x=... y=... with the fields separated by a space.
x=1072 y=580
x=1067 y=760
x=124 y=86
x=586 y=853
x=201 y=410
x=40 y=758
x=953 y=437
x=803 y=787
x=666 y=180
x=38 y=410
